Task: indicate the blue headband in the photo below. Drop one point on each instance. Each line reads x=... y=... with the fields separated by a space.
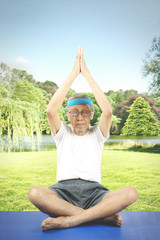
x=79 y=101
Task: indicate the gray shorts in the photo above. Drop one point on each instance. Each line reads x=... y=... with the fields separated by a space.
x=79 y=192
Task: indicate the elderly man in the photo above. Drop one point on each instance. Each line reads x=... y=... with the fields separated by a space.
x=78 y=197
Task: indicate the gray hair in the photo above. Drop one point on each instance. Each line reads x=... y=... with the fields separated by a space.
x=79 y=96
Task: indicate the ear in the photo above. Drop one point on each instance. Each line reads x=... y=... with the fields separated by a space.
x=91 y=117
x=68 y=116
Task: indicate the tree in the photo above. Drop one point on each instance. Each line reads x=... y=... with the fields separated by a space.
x=26 y=92
x=119 y=96
x=121 y=110
x=3 y=91
x=152 y=65
x=18 y=120
x=9 y=77
x=114 y=126
x=5 y=73
x=48 y=86
x=21 y=75
x=141 y=121
x=129 y=93
x=46 y=83
x=5 y=77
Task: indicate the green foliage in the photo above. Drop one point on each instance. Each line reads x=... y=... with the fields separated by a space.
x=26 y=92
x=18 y=120
x=158 y=102
x=121 y=110
x=70 y=93
x=48 y=88
x=97 y=114
x=114 y=126
x=3 y=91
x=152 y=65
x=115 y=97
x=156 y=97
x=141 y=120
x=46 y=83
x=9 y=77
x=21 y=75
x=17 y=87
x=5 y=73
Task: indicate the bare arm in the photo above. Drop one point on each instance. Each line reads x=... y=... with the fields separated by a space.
x=106 y=116
x=59 y=96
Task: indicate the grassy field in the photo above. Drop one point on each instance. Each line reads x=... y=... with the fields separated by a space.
x=20 y=171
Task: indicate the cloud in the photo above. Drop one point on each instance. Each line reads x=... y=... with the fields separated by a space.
x=21 y=59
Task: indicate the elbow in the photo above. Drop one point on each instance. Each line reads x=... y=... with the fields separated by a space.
x=48 y=111
x=108 y=113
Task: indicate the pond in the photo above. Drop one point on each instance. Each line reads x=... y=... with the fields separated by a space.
x=137 y=139
x=47 y=142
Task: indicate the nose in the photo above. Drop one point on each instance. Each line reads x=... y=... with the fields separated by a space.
x=79 y=117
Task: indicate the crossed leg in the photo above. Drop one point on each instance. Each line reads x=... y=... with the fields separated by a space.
x=48 y=201
x=66 y=215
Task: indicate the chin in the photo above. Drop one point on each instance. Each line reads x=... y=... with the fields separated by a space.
x=80 y=130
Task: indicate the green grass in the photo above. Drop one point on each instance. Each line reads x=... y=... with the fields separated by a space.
x=20 y=171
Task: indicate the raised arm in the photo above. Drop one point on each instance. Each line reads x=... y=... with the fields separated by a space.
x=59 y=96
x=106 y=116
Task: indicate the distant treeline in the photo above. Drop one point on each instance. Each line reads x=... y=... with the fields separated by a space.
x=24 y=100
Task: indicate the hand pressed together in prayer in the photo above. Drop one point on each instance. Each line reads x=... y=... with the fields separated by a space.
x=80 y=65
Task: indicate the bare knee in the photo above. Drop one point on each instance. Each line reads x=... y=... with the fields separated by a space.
x=131 y=195
x=34 y=193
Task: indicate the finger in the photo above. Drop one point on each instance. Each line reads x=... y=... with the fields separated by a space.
x=78 y=63
x=79 y=50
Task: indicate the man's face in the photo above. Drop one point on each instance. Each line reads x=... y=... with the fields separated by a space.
x=80 y=123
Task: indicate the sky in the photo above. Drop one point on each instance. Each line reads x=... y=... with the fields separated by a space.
x=42 y=37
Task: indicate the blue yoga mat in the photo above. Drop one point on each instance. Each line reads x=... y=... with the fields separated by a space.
x=26 y=226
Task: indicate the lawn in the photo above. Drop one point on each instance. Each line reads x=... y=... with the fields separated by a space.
x=20 y=171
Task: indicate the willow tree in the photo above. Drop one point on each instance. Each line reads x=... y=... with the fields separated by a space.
x=141 y=120
x=152 y=65
x=18 y=120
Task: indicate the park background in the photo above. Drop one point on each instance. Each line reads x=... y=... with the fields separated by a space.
x=38 y=44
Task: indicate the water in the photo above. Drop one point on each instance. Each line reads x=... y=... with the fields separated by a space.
x=137 y=139
x=47 y=142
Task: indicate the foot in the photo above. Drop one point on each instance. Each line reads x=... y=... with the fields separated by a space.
x=115 y=220
x=55 y=223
